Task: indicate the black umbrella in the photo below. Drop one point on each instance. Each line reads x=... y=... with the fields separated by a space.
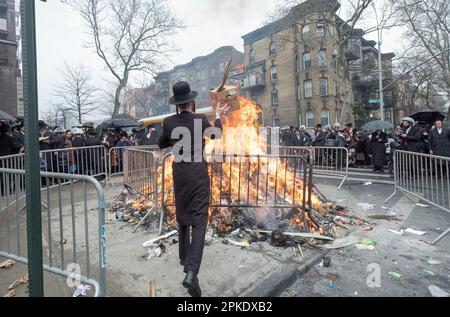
x=7 y=117
x=377 y=125
x=122 y=121
x=429 y=117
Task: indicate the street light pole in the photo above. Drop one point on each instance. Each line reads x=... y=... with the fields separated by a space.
x=32 y=176
x=380 y=66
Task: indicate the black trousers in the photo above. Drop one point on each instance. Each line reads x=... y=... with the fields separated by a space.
x=191 y=244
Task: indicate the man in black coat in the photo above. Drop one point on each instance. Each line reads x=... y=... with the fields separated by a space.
x=440 y=140
x=190 y=178
x=150 y=137
x=410 y=136
x=8 y=146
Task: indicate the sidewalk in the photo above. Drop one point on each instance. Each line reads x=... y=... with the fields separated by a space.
x=406 y=255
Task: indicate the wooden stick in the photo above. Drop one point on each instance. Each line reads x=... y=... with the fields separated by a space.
x=225 y=76
x=150 y=242
x=153 y=288
x=299 y=235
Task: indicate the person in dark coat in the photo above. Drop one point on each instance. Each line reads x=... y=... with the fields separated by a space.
x=410 y=136
x=440 y=140
x=150 y=137
x=18 y=133
x=321 y=136
x=378 y=150
x=8 y=146
x=190 y=177
x=94 y=161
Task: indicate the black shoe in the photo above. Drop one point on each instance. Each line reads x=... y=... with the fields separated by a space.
x=192 y=285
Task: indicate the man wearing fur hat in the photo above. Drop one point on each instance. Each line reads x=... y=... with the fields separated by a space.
x=410 y=136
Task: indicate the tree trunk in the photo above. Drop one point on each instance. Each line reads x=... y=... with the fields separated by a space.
x=117 y=99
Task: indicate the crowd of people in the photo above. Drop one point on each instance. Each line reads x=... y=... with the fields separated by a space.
x=366 y=148
x=373 y=148
x=77 y=151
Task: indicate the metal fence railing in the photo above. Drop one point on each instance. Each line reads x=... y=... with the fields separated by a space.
x=425 y=177
x=73 y=246
x=326 y=161
x=116 y=160
x=141 y=176
x=251 y=181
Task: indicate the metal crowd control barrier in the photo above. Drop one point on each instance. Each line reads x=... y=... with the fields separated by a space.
x=140 y=176
x=91 y=161
x=253 y=181
x=116 y=160
x=70 y=241
x=425 y=177
x=327 y=162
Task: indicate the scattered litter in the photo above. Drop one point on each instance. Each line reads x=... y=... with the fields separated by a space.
x=243 y=244
x=366 y=206
x=384 y=217
x=356 y=293
x=82 y=291
x=421 y=205
x=241 y=266
x=368 y=183
x=416 y=232
x=154 y=251
x=437 y=292
x=7 y=264
x=428 y=272
x=366 y=244
x=394 y=274
x=332 y=277
x=327 y=261
x=433 y=261
x=385 y=208
x=340 y=243
x=400 y=233
x=367 y=228
x=330 y=284
x=19 y=281
x=393 y=214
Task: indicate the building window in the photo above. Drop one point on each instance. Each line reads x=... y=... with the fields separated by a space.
x=305 y=32
x=323 y=87
x=323 y=57
x=273 y=73
x=325 y=117
x=213 y=72
x=308 y=88
x=310 y=119
x=251 y=56
x=297 y=64
x=272 y=48
x=335 y=89
x=307 y=60
x=274 y=97
x=320 y=29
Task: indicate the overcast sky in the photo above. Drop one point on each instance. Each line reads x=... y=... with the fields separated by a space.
x=211 y=24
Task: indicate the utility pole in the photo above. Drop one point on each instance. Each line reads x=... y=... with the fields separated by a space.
x=380 y=66
x=32 y=176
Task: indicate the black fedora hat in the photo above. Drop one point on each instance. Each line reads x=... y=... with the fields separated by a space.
x=182 y=94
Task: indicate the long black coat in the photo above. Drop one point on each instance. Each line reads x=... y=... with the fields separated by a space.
x=153 y=140
x=378 y=143
x=440 y=143
x=191 y=179
x=8 y=145
x=412 y=142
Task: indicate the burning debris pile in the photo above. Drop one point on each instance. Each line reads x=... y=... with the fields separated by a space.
x=251 y=190
x=132 y=207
